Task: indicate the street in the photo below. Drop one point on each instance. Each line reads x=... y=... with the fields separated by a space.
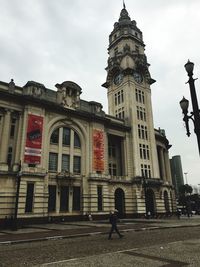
x=159 y=247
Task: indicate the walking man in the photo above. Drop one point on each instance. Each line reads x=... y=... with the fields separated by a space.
x=113 y=221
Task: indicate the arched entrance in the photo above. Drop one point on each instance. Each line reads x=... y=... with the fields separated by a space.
x=150 y=202
x=120 y=202
x=166 y=202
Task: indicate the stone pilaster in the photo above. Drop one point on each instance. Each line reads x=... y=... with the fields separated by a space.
x=5 y=140
x=162 y=160
x=17 y=158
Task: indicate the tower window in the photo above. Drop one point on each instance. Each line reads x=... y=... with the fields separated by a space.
x=141 y=113
x=146 y=170
x=142 y=132
x=144 y=151
x=139 y=96
x=120 y=113
x=119 y=97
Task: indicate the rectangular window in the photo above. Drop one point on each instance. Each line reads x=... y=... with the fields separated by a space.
x=52 y=198
x=53 y=161
x=66 y=136
x=29 y=197
x=77 y=142
x=65 y=163
x=100 y=197
x=112 y=169
x=12 y=128
x=111 y=149
x=64 y=198
x=77 y=164
x=76 y=198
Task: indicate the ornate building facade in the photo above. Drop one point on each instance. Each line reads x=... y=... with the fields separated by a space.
x=61 y=156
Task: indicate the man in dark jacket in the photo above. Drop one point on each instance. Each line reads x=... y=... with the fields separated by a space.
x=113 y=221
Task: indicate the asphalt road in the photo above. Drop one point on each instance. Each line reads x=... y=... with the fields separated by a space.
x=161 y=247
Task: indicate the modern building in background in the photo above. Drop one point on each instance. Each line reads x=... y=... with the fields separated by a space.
x=64 y=157
x=195 y=189
x=177 y=172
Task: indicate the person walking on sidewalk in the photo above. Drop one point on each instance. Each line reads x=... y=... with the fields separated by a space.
x=113 y=221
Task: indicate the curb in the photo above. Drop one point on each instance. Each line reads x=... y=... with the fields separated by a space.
x=13 y=242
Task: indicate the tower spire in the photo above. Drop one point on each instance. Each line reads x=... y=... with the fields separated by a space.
x=124 y=5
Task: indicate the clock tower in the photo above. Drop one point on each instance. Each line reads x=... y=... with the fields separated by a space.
x=129 y=94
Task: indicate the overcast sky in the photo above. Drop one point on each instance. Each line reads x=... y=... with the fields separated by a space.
x=51 y=41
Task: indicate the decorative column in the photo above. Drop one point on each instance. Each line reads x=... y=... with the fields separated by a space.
x=18 y=141
x=162 y=165
x=5 y=140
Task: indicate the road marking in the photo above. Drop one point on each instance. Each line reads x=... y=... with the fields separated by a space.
x=81 y=258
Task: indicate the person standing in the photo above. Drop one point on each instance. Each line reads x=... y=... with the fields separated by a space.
x=113 y=221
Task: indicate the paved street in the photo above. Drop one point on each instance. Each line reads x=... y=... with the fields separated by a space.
x=145 y=243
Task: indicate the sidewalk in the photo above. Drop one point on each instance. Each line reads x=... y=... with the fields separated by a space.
x=42 y=232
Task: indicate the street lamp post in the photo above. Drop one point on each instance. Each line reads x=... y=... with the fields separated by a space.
x=184 y=103
x=144 y=184
x=18 y=180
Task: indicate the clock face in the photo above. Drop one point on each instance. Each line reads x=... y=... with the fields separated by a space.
x=118 y=78
x=138 y=77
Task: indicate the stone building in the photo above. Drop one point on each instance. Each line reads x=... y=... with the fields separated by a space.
x=64 y=157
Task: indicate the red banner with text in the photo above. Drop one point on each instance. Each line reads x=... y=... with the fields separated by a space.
x=33 y=148
x=98 y=150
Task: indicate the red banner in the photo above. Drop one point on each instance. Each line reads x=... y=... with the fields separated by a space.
x=98 y=150
x=33 y=146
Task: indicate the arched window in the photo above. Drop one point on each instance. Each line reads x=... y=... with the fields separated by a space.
x=55 y=137
x=65 y=155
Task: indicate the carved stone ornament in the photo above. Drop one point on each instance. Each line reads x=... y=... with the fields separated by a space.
x=69 y=94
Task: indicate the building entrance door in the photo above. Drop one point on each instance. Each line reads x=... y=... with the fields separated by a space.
x=150 y=202
x=120 y=202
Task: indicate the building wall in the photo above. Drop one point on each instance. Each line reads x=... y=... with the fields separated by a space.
x=111 y=173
